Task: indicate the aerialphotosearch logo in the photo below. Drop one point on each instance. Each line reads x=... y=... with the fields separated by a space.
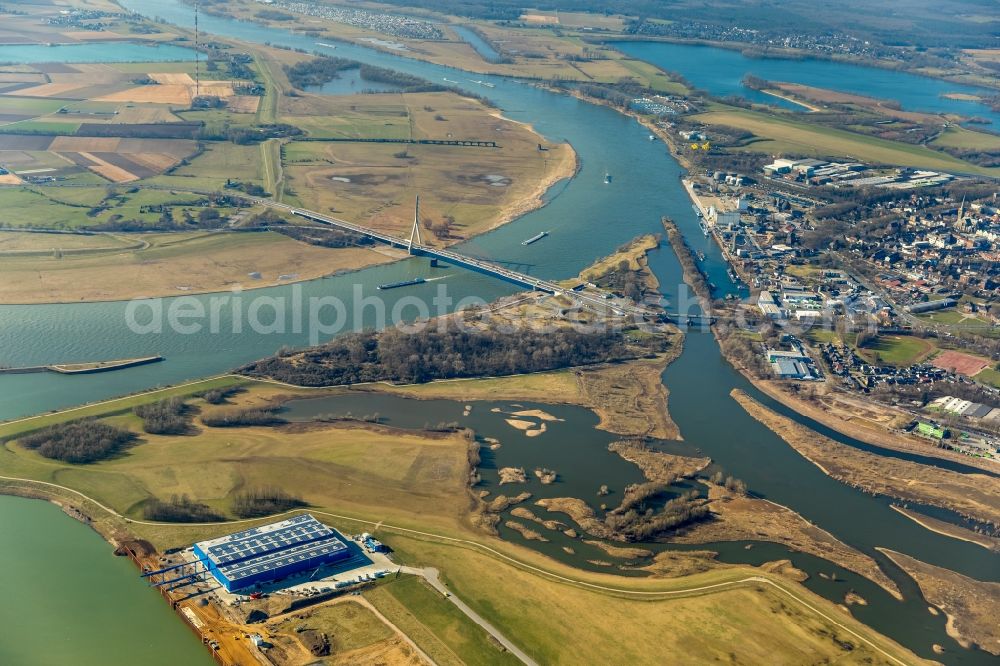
x=319 y=318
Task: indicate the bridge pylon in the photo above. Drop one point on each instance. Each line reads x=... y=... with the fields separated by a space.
x=415 y=231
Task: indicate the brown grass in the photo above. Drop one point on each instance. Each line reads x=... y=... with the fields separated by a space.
x=824 y=95
x=631 y=399
x=950 y=529
x=973 y=495
x=51 y=90
x=159 y=94
x=659 y=466
x=113 y=173
x=972 y=606
x=739 y=518
x=172 y=78
x=199 y=264
x=243 y=103
x=155 y=161
x=83 y=144
x=452 y=181
x=145 y=114
x=22 y=77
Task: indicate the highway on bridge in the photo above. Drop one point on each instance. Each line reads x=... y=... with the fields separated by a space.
x=601 y=300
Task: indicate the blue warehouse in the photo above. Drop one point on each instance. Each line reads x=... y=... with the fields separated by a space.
x=271 y=552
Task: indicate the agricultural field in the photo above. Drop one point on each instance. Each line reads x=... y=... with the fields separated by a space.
x=464 y=190
x=780 y=135
x=96 y=126
x=221 y=161
x=27 y=29
x=83 y=207
x=121 y=122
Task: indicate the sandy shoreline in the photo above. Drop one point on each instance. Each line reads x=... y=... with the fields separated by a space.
x=949 y=530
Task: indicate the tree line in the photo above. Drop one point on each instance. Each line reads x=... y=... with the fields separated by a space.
x=80 y=442
x=236 y=418
x=179 y=509
x=393 y=355
x=165 y=417
x=265 y=501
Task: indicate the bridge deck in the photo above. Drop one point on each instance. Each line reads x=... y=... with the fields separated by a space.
x=600 y=301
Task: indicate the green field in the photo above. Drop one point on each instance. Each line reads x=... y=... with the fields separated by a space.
x=41 y=127
x=952 y=317
x=36 y=106
x=423 y=480
x=959 y=137
x=421 y=483
x=654 y=77
x=116 y=406
x=211 y=169
x=989 y=376
x=897 y=350
x=786 y=136
x=26 y=208
x=822 y=335
x=565 y=624
x=69 y=207
x=435 y=624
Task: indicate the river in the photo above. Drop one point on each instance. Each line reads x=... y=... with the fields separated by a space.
x=585 y=219
x=66 y=600
x=721 y=72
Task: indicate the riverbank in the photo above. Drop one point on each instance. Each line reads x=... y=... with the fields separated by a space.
x=974 y=496
x=847 y=423
x=747 y=518
x=948 y=529
x=526 y=593
x=628 y=395
x=365 y=183
x=776 y=53
x=971 y=606
x=811 y=108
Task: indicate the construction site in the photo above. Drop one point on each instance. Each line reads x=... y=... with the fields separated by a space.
x=239 y=592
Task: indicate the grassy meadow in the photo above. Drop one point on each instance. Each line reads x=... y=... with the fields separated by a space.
x=779 y=134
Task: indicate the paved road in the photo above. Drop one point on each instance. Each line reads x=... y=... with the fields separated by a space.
x=431 y=575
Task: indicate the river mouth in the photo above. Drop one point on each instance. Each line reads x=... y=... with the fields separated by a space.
x=592 y=220
x=572 y=446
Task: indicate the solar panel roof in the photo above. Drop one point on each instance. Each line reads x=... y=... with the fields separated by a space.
x=266 y=539
x=317 y=551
